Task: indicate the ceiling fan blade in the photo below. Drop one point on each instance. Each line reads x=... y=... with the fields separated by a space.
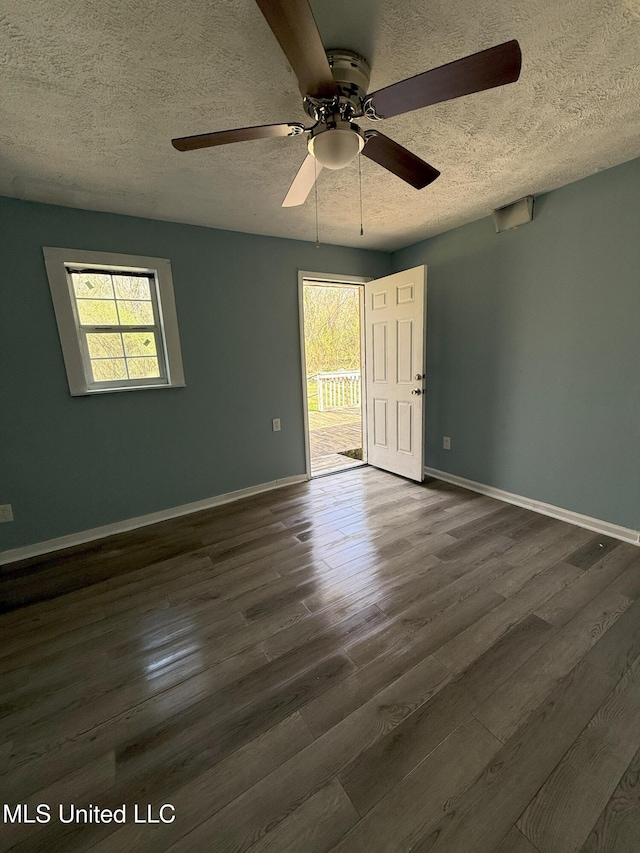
x=398 y=160
x=241 y=134
x=303 y=182
x=294 y=27
x=495 y=66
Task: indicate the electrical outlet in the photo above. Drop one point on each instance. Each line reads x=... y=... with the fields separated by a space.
x=446 y=442
x=6 y=513
x=276 y=424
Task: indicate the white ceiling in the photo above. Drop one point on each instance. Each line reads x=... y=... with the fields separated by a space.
x=92 y=93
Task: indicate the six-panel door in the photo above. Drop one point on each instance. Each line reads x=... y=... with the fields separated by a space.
x=394 y=357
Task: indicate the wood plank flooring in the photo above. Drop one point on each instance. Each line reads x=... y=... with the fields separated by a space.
x=359 y=663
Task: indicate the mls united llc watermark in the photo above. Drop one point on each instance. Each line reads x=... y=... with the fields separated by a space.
x=69 y=813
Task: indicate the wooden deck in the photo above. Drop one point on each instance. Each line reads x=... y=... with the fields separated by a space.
x=330 y=433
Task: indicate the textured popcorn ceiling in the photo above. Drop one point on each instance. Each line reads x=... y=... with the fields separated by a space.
x=92 y=92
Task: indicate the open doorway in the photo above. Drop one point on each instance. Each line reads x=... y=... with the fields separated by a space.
x=333 y=370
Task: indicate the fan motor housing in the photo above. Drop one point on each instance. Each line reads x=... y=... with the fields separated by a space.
x=350 y=70
x=351 y=73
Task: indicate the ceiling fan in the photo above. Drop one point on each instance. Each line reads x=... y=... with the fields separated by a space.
x=334 y=85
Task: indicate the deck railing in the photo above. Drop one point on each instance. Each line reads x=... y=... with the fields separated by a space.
x=338 y=390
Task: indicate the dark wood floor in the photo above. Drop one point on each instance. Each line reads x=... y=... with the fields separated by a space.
x=354 y=664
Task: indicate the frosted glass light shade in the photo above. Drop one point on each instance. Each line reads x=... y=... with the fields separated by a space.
x=336 y=148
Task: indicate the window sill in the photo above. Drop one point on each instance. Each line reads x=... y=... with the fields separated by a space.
x=93 y=392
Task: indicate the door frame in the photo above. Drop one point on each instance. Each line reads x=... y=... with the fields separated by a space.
x=334 y=279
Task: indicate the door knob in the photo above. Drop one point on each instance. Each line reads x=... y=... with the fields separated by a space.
x=419 y=376
x=417 y=391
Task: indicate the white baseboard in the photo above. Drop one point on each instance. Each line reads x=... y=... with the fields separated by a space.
x=84 y=536
x=595 y=524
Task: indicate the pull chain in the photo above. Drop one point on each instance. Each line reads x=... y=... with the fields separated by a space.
x=315 y=186
x=360 y=182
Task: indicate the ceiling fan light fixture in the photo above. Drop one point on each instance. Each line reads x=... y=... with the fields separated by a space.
x=336 y=147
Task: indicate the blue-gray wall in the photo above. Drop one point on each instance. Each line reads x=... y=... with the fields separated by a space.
x=73 y=463
x=533 y=349
x=533 y=362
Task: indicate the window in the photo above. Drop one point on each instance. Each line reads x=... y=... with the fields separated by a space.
x=117 y=320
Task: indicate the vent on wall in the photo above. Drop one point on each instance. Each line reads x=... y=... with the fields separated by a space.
x=514 y=214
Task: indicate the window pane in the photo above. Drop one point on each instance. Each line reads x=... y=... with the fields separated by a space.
x=108 y=369
x=98 y=312
x=143 y=368
x=135 y=313
x=92 y=285
x=139 y=343
x=103 y=345
x=131 y=287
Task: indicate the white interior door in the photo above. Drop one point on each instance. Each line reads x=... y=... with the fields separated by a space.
x=395 y=331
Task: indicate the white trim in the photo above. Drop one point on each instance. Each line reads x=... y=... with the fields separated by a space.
x=363 y=377
x=325 y=278
x=303 y=362
x=332 y=278
x=595 y=524
x=56 y=262
x=84 y=536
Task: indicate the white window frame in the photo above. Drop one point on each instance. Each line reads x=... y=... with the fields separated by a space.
x=59 y=264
